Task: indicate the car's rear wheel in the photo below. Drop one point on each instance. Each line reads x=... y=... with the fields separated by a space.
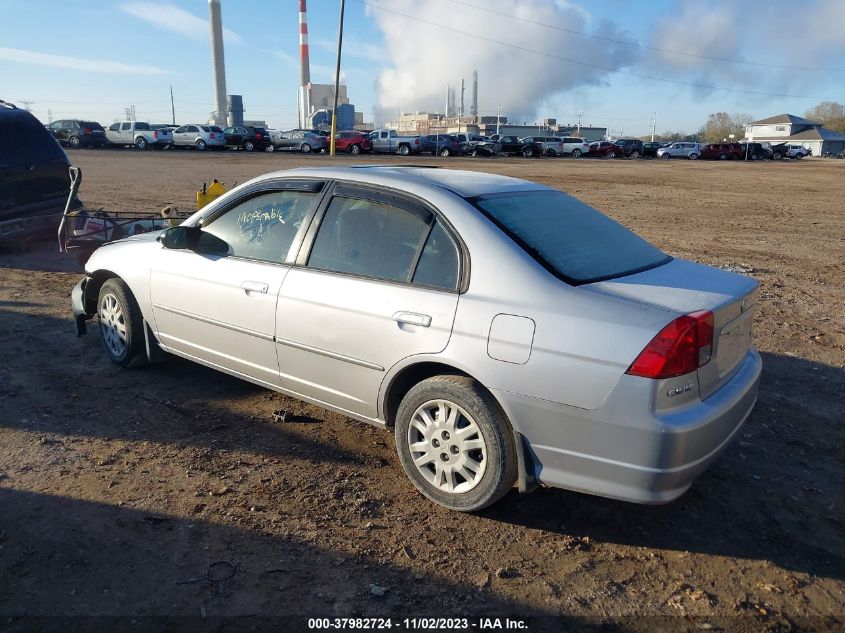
x=306 y=148
x=528 y=152
x=74 y=142
x=249 y=146
x=404 y=150
x=455 y=444
x=141 y=143
x=445 y=152
x=474 y=153
x=270 y=148
x=550 y=152
x=667 y=156
x=693 y=156
x=635 y=154
x=777 y=156
x=201 y=145
x=799 y=156
x=121 y=324
x=576 y=153
x=611 y=154
x=355 y=149
x=723 y=157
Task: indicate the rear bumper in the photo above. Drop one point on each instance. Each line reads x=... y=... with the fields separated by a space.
x=616 y=451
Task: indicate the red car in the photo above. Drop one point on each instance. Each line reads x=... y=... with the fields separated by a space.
x=352 y=142
x=722 y=151
x=606 y=149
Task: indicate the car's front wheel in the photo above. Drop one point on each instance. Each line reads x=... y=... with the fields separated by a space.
x=355 y=149
x=528 y=152
x=576 y=153
x=121 y=324
x=306 y=148
x=693 y=156
x=74 y=142
x=455 y=444
x=667 y=156
x=611 y=154
x=445 y=152
x=249 y=146
x=635 y=154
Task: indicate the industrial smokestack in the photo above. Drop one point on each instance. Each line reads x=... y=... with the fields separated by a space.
x=474 y=107
x=218 y=64
x=462 y=99
x=304 y=69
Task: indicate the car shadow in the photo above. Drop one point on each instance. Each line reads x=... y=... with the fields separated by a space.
x=775 y=494
x=39 y=255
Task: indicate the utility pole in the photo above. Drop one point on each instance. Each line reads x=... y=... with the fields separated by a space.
x=49 y=115
x=337 y=77
x=498 y=117
x=579 y=120
x=653 y=125
x=172 y=105
x=27 y=105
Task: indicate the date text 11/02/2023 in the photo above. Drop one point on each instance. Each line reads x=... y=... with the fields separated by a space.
x=419 y=624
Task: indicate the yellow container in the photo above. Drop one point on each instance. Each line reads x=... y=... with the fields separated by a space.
x=212 y=192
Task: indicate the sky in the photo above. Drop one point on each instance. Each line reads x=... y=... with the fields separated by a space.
x=617 y=62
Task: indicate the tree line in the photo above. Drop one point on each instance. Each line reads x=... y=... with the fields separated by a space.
x=721 y=125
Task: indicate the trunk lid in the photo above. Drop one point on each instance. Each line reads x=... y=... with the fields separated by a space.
x=681 y=287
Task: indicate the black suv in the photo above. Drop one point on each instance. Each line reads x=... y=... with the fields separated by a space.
x=754 y=151
x=631 y=147
x=525 y=147
x=76 y=134
x=248 y=137
x=34 y=180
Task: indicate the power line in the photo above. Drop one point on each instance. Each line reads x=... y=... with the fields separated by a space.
x=588 y=64
x=644 y=46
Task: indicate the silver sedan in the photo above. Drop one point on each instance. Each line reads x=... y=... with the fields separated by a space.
x=507 y=333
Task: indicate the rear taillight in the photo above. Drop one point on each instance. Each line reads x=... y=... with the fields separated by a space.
x=155 y=134
x=211 y=135
x=679 y=348
x=87 y=130
x=257 y=136
x=416 y=141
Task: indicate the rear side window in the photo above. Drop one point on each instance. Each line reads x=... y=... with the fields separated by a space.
x=570 y=239
x=364 y=237
x=263 y=227
x=24 y=140
x=438 y=265
x=142 y=126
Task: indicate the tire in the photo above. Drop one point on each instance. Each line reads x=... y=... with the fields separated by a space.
x=528 y=152
x=635 y=154
x=141 y=143
x=475 y=153
x=74 y=142
x=404 y=150
x=667 y=156
x=550 y=153
x=121 y=324
x=305 y=148
x=445 y=152
x=777 y=156
x=270 y=148
x=723 y=157
x=576 y=153
x=611 y=154
x=488 y=445
x=249 y=146
x=693 y=156
x=355 y=149
x=201 y=145
x=754 y=157
x=799 y=156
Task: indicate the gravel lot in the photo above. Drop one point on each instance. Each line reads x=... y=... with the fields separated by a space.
x=117 y=485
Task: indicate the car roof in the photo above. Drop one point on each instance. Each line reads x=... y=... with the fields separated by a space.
x=461 y=182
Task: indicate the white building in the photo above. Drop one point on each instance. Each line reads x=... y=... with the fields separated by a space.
x=788 y=128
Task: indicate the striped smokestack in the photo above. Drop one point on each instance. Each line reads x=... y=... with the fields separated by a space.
x=304 y=69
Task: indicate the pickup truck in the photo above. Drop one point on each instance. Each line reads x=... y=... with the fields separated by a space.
x=139 y=134
x=389 y=142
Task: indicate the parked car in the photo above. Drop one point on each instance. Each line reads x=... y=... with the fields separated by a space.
x=34 y=180
x=513 y=145
x=140 y=134
x=303 y=141
x=607 y=149
x=75 y=133
x=442 y=144
x=680 y=150
x=353 y=142
x=753 y=151
x=248 y=138
x=391 y=142
x=650 y=149
x=797 y=151
x=549 y=145
x=198 y=136
x=722 y=151
x=618 y=371
x=483 y=146
x=575 y=146
x=631 y=147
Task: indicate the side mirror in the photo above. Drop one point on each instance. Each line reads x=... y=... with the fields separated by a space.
x=195 y=239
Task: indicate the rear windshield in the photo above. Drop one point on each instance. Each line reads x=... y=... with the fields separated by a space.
x=23 y=140
x=573 y=241
x=91 y=124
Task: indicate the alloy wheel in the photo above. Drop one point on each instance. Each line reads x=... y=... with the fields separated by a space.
x=113 y=325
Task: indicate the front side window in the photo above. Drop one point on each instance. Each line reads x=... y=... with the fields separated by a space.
x=263 y=227
x=572 y=240
x=374 y=239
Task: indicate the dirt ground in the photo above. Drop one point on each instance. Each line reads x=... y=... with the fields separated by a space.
x=118 y=485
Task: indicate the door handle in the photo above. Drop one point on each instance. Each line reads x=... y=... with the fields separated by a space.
x=412 y=318
x=254 y=286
